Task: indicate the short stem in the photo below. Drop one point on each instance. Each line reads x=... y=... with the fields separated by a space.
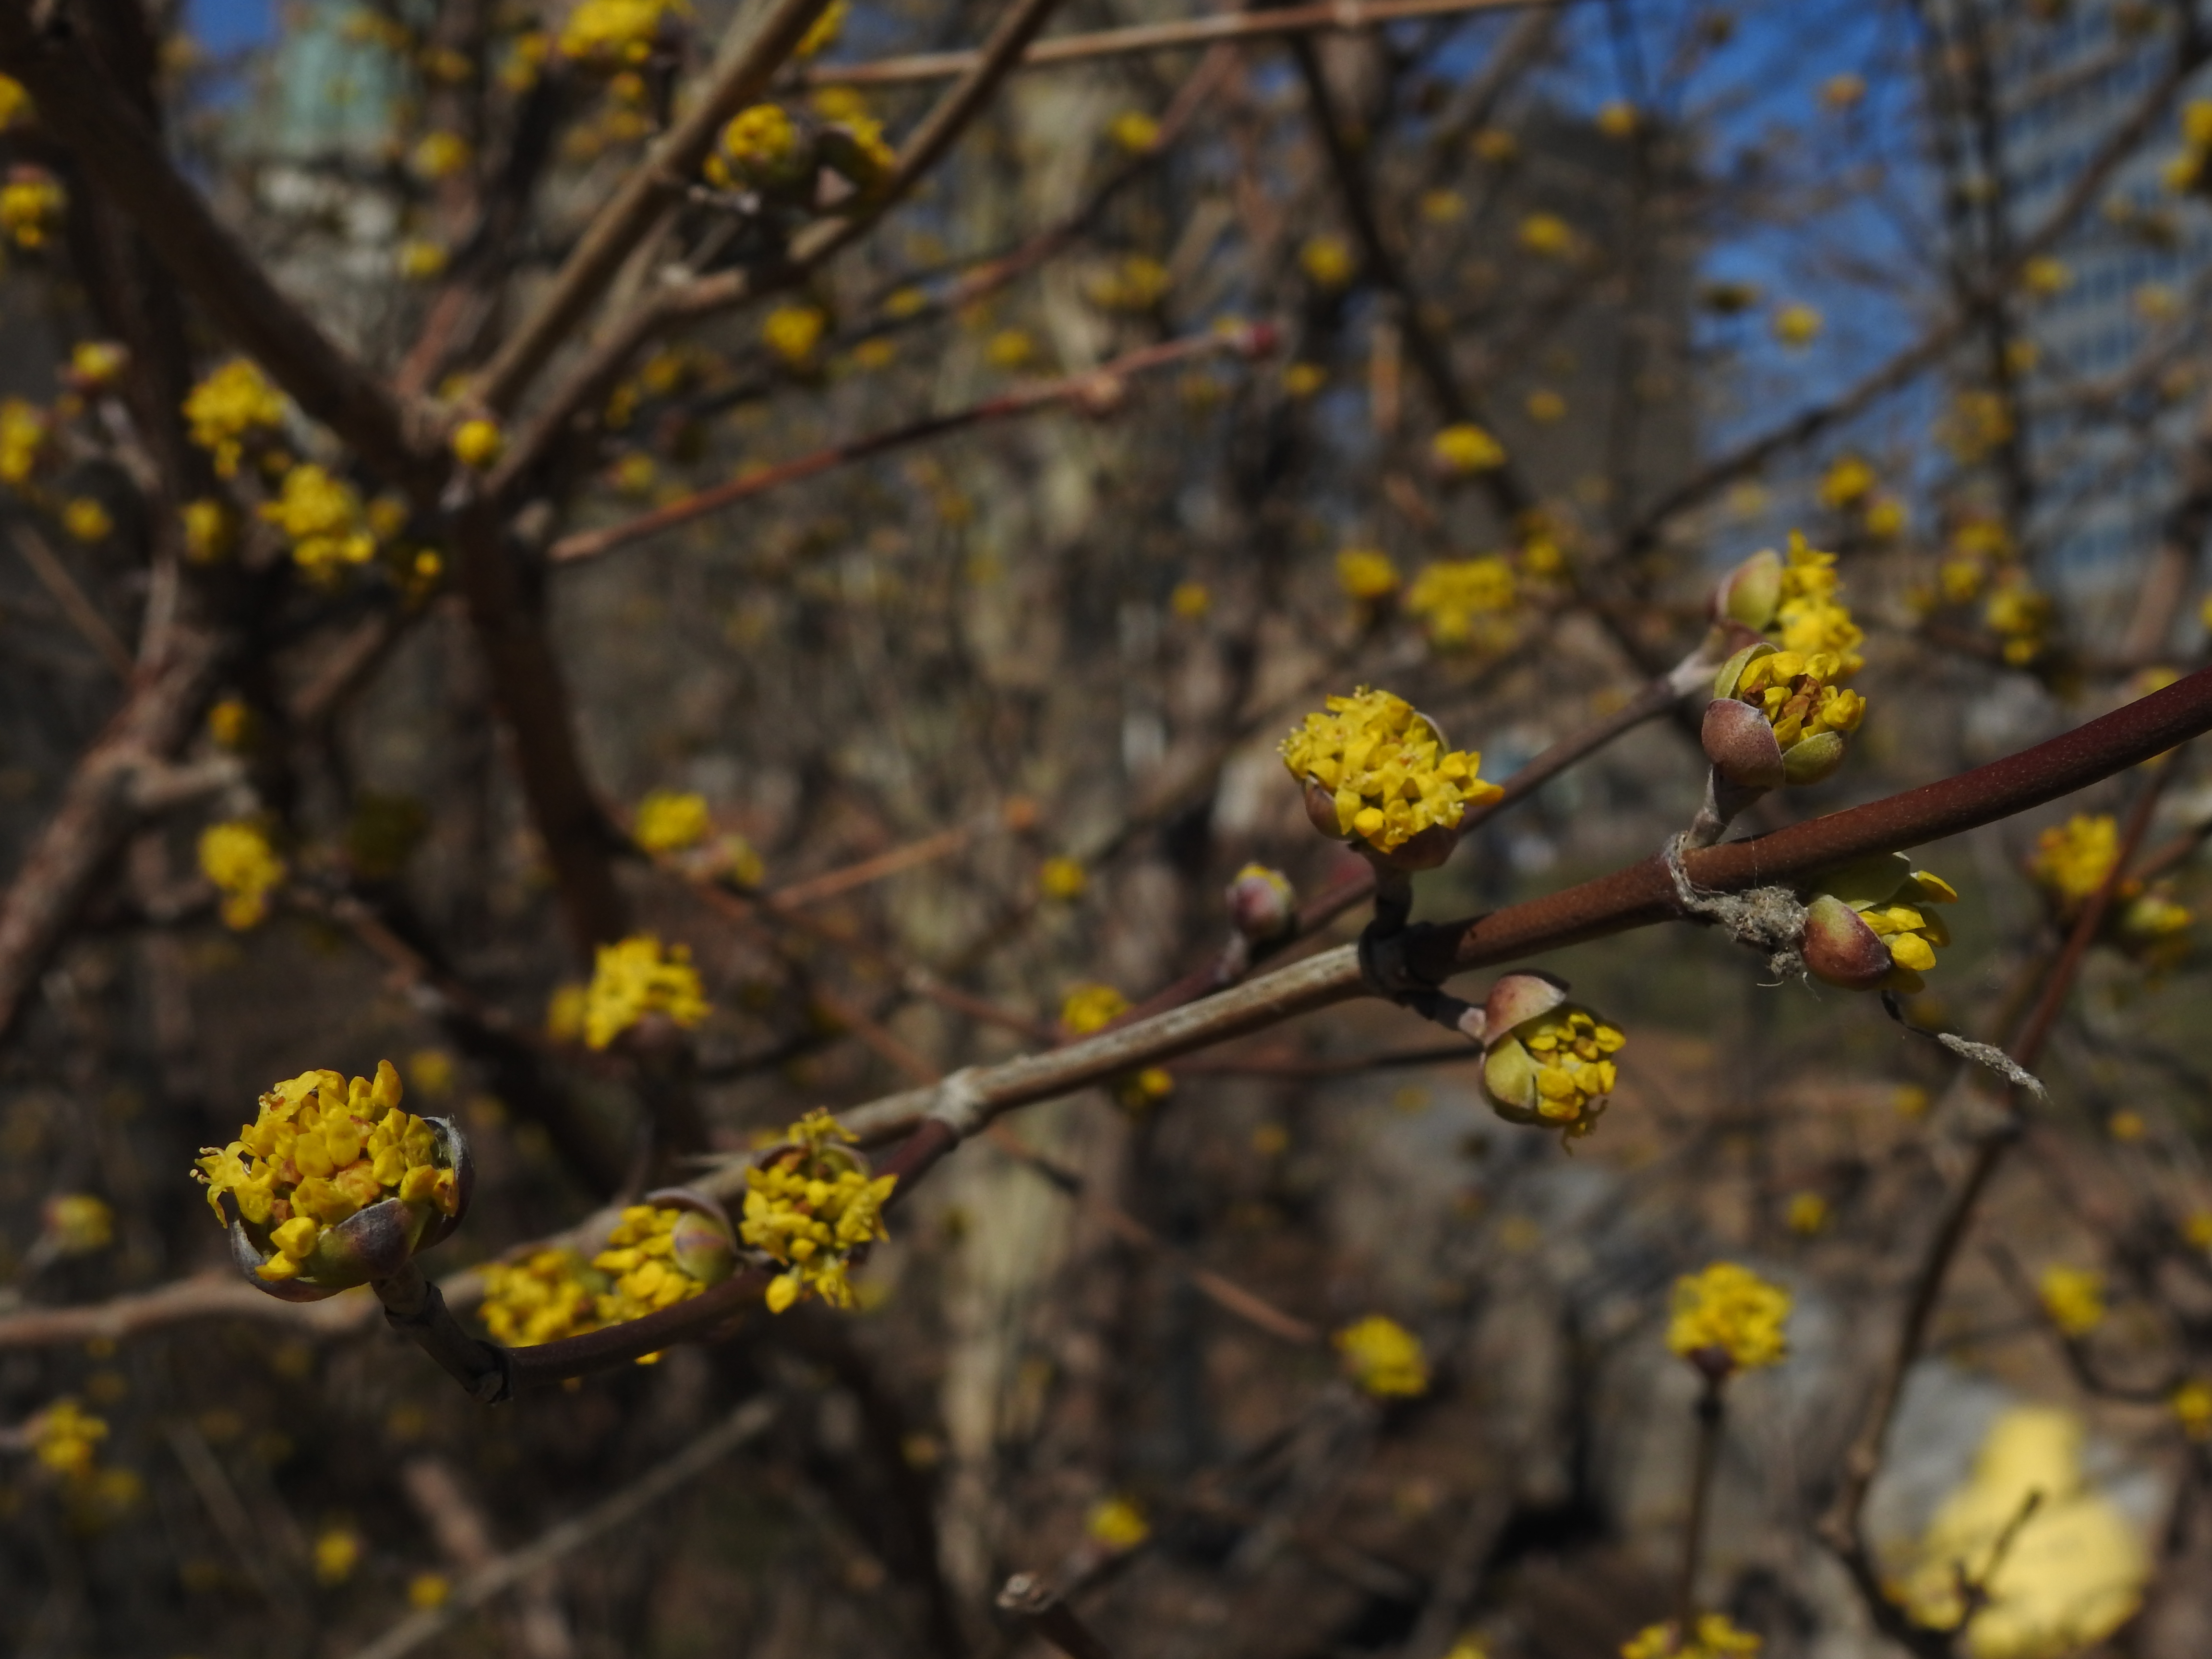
x=1711 y=1410
x=1723 y=801
x=1394 y=900
x=414 y=1306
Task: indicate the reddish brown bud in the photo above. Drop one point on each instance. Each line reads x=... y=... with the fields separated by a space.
x=1740 y=744
x=1841 y=949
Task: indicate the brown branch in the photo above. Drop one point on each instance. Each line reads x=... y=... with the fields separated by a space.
x=95 y=813
x=118 y=149
x=1351 y=17
x=749 y=62
x=83 y=615
x=1041 y=1611
x=1099 y=388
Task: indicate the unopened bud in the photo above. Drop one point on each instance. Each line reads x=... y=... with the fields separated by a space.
x=1262 y=904
x=1741 y=746
x=702 y=1242
x=1751 y=592
x=1840 y=949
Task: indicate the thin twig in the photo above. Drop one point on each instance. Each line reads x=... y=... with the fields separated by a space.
x=83 y=615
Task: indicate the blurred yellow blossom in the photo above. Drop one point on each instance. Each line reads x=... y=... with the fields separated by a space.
x=1326 y=260
x=1730 y=1312
x=478 y=443
x=1061 y=878
x=1365 y=573
x=635 y=978
x=32 y=205
x=1133 y=130
x=1190 y=600
x=2192 y=1408
x=1807 y=1213
x=322 y=517
x=1117 y=1523
x=1548 y=235
x=1455 y=596
x=1462 y=450
x=1383 y=1357
x=2072 y=1299
x=792 y=332
x=337 y=1552
x=1089 y=1008
x=811 y=1205
x=238 y=859
x=1716 y=1637
x=87 y=520
x=1797 y=325
x=77 y=1223
x=233 y=403
x=668 y=822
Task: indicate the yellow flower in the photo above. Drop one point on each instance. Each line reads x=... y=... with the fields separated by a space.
x=1870 y=925
x=740 y=863
x=2021 y=615
x=1089 y=1008
x=65 y=1439
x=1494 y=144
x=669 y=823
x=1190 y=600
x=238 y=859
x=1848 y=481
x=2154 y=302
x=2192 y=1408
x=230 y=723
x=1978 y=421
x=233 y=403
x=543 y=1296
x=1731 y=1313
x=77 y=1223
x=1468 y=1647
x=564 y=1012
x=15 y=102
x=2071 y=860
x=1617 y=120
x=1545 y=407
x=1548 y=235
x=32 y=205
x=633 y=979
x=319 y=1150
x=1365 y=574
x=478 y=443
x=1886 y=518
x=2045 y=277
x=439 y=155
x=1009 y=347
x=1118 y=1524
x=1464 y=450
x=1133 y=130
x=1443 y=207
x=759 y=146
x=87 y=520
x=94 y=364
x=210 y=528
x=420 y=260
x=657 y=1256
x=824 y=34
x=1808 y=1213
x=792 y=332
x=1797 y=325
x=1386 y=768
x=1383 y=1357
x=1137 y=284
x=2072 y=1572
x=1301 y=380
x=635 y=473
x=610 y=33
x=1556 y=1067
x=811 y=1205
x=23 y=434
x=1454 y=594
x=1326 y=260
x=1716 y=1639
x=1061 y=878
x=337 y=1552
x=322 y=517
x=428 y=1590
x=2073 y=1299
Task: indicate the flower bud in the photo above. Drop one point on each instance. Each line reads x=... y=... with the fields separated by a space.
x=1751 y=593
x=1872 y=925
x=334 y=1185
x=1380 y=775
x=1552 y=1063
x=1516 y=999
x=702 y=1242
x=1740 y=744
x=1263 y=907
x=1840 y=949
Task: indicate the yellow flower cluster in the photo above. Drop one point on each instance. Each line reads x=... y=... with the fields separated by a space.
x=15 y=102
x=2187 y=171
x=824 y=34
x=759 y=146
x=811 y=1206
x=1811 y=617
x=32 y=205
x=1459 y=597
x=210 y=528
x=2192 y=1408
x=438 y=155
x=23 y=434
x=2074 y=1299
x=65 y=1438
x=1139 y=283
x=633 y=979
x=1365 y=574
x=669 y=823
x=1118 y=1524
x=648 y=1269
x=2071 y=861
x=610 y=34
x=1062 y=877
x=325 y=520
x=1798 y=695
x=238 y=859
x=1461 y=451
x=1573 y=1050
x=478 y=443
x=1089 y=1008
x=1326 y=260
x=1548 y=235
x=1797 y=326
x=96 y=365
x=1383 y=1357
x=320 y=1149
x=231 y=406
x=2020 y=614
x=1386 y=767
x=545 y=1296
x=1133 y=130
x=1911 y=931
x=1715 y=1638
x=1731 y=1311
x=792 y=332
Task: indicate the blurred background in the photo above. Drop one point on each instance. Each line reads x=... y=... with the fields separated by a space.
x=1567 y=309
